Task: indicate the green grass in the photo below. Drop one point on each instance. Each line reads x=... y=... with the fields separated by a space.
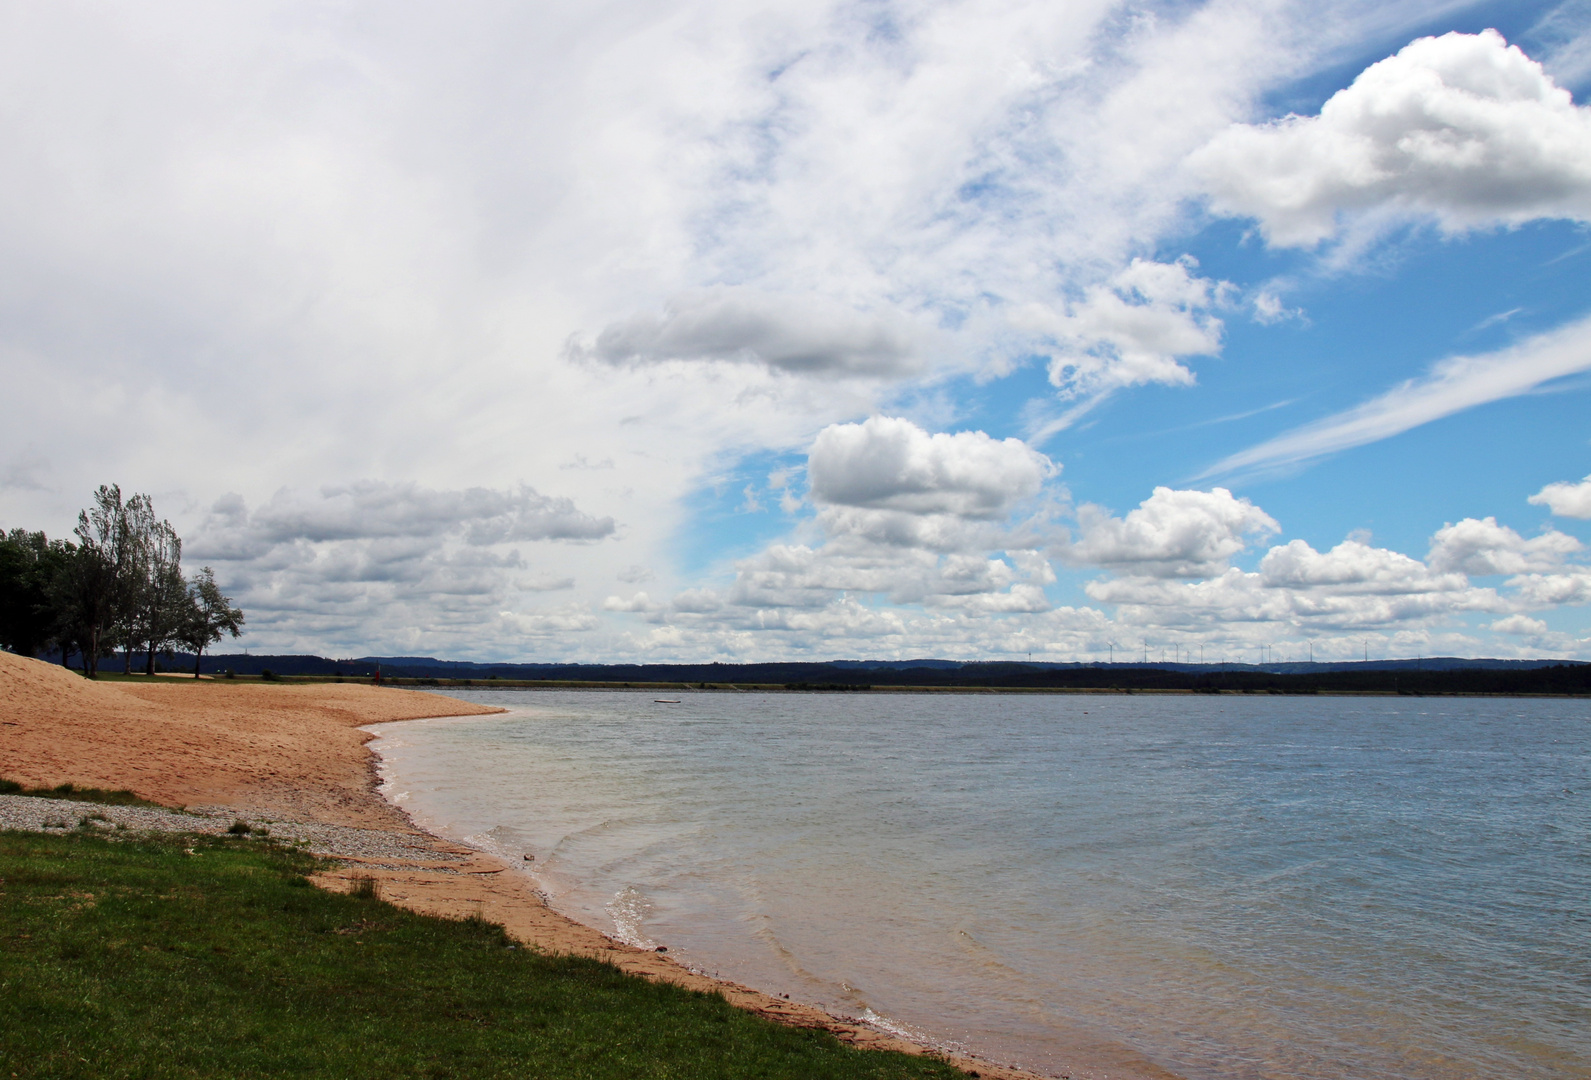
x=135 y=958
x=119 y=797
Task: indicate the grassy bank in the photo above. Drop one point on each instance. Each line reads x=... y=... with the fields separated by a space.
x=209 y=957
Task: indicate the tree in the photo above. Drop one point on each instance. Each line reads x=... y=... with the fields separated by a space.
x=96 y=591
x=162 y=605
x=120 y=586
x=29 y=565
x=139 y=529
x=209 y=615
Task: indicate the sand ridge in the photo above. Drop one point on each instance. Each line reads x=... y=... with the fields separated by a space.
x=293 y=751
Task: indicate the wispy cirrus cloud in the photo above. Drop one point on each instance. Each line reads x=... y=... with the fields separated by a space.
x=1451 y=386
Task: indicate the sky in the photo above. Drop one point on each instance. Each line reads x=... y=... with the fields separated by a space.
x=1069 y=330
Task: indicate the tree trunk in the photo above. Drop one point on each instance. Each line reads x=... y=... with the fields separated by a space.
x=149 y=663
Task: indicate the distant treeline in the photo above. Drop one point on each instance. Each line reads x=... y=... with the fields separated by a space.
x=117 y=586
x=1446 y=675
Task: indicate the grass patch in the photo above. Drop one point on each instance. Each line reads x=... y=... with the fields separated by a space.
x=119 y=797
x=135 y=958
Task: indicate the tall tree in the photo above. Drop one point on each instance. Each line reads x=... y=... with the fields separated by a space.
x=96 y=588
x=209 y=616
x=162 y=594
x=140 y=528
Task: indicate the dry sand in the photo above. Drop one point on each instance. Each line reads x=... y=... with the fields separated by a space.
x=293 y=751
x=296 y=753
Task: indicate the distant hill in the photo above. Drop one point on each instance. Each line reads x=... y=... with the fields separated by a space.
x=1447 y=674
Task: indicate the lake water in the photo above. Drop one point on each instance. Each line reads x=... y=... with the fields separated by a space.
x=1232 y=887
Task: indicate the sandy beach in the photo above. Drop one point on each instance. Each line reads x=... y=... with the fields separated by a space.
x=294 y=758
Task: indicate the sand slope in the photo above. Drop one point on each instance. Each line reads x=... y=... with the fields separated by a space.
x=289 y=750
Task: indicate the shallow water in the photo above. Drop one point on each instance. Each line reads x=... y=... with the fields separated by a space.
x=1224 y=887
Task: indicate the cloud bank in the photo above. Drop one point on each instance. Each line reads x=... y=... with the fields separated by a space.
x=410 y=559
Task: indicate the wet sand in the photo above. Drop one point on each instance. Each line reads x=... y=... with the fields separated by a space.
x=295 y=753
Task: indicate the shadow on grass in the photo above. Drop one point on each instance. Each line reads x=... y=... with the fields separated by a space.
x=119 y=797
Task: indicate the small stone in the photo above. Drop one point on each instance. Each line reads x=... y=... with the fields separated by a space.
x=662 y=948
x=530 y=858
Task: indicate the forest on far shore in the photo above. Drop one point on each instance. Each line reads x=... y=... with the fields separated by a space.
x=118 y=585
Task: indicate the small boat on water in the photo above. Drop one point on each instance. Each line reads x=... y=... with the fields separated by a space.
x=666 y=700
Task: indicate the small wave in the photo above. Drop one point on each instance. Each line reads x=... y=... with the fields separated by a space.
x=902 y=1030
x=628 y=909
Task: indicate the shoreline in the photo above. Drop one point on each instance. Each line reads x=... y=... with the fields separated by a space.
x=502 y=892
x=296 y=761
x=1094 y=1060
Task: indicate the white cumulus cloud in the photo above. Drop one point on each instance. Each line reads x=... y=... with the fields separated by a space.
x=1171 y=534
x=891 y=464
x=1481 y=546
x=905 y=517
x=1464 y=128
x=1301 y=591
x=1522 y=625
x=1353 y=567
x=1569 y=586
x=1565 y=499
x=1132 y=330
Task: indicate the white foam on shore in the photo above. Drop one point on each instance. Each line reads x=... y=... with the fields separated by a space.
x=628 y=909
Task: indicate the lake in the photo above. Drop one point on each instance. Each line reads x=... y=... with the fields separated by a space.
x=1216 y=886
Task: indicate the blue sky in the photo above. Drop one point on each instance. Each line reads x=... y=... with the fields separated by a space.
x=687 y=331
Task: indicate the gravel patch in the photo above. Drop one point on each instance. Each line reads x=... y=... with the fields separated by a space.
x=29 y=814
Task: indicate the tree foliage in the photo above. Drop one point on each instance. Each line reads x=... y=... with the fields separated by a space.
x=30 y=568
x=120 y=586
x=209 y=616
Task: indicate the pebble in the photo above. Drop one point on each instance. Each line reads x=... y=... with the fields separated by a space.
x=30 y=814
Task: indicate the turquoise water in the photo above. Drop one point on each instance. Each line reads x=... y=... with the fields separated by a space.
x=1218 y=887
